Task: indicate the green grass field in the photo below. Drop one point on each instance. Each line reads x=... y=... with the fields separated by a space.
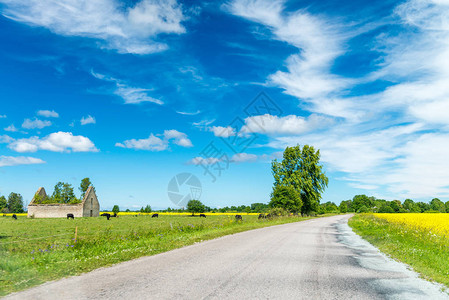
x=33 y=251
x=425 y=252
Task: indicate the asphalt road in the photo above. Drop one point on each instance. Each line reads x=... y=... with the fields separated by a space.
x=315 y=259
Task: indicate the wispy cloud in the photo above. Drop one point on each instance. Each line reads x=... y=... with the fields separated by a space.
x=11 y=128
x=379 y=139
x=319 y=42
x=131 y=95
x=36 y=123
x=132 y=29
x=56 y=142
x=189 y=113
x=19 y=160
x=88 y=120
x=155 y=143
x=48 y=113
x=3 y=116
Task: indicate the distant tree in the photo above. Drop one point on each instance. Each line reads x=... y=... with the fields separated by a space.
x=127 y=210
x=301 y=170
x=423 y=206
x=57 y=192
x=447 y=206
x=68 y=195
x=247 y=209
x=363 y=209
x=3 y=204
x=84 y=185
x=195 y=206
x=385 y=209
x=396 y=205
x=362 y=200
x=410 y=206
x=116 y=209
x=147 y=209
x=437 y=204
x=330 y=207
x=286 y=197
x=343 y=207
x=15 y=203
x=259 y=207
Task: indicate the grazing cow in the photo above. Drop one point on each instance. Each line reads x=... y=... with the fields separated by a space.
x=155 y=216
x=202 y=215
x=238 y=218
x=269 y=216
x=14 y=216
x=70 y=216
x=106 y=215
x=262 y=216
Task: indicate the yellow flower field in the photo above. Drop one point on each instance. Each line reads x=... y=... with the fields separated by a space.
x=434 y=223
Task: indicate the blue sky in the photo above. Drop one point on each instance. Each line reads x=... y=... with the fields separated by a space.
x=132 y=93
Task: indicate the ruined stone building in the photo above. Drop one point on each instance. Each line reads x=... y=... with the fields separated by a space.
x=89 y=207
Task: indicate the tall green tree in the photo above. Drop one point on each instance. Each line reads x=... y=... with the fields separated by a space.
x=437 y=204
x=195 y=206
x=57 y=192
x=15 y=203
x=116 y=209
x=286 y=197
x=300 y=168
x=3 y=204
x=84 y=185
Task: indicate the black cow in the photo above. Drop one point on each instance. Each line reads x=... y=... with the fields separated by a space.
x=14 y=216
x=70 y=216
x=155 y=216
x=269 y=216
x=262 y=216
x=106 y=215
x=202 y=215
x=238 y=218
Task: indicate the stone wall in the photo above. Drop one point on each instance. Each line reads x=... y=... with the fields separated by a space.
x=55 y=210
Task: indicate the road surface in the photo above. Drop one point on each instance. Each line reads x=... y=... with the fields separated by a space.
x=315 y=259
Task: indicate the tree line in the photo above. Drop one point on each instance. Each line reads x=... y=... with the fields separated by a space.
x=363 y=203
x=63 y=193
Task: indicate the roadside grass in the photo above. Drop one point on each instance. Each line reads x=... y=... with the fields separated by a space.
x=33 y=251
x=427 y=253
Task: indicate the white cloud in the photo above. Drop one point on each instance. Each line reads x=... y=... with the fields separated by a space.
x=19 y=160
x=11 y=128
x=48 y=113
x=189 y=113
x=243 y=157
x=132 y=29
x=36 y=123
x=6 y=139
x=154 y=143
x=318 y=40
x=221 y=131
x=2 y=116
x=88 y=120
x=178 y=138
x=56 y=142
x=131 y=95
x=288 y=125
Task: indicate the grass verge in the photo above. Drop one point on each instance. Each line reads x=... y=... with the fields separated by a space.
x=426 y=253
x=33 y=251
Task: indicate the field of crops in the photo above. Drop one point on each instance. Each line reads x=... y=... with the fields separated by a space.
x=419 y=240
x=33 y=251
x=431 y=223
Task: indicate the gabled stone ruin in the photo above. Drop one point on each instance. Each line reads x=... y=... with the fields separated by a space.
x=89 y=206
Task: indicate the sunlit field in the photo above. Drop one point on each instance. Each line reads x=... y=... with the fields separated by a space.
x=33 y=251
x=431 y=223
x=419 y=240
